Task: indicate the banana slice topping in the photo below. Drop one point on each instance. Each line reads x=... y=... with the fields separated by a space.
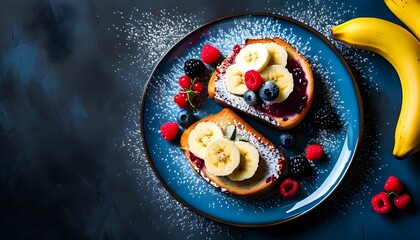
x=253 y=57
x=235 y=80
x=248 y=164
x=270 y=60
x=278 y=54
x=238 y=160
x=282 y=78
x=201 y=136
x=222 y=157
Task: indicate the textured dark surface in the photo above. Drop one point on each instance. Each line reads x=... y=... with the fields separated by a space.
x=70 y=90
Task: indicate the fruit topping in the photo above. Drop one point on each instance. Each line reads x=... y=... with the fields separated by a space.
x=201 y=136
x=253 y=80
x=181 y=99
x=221 y=157
x=287 y=140
x=269 y=91
x=194 y=68
x=235 y=80
x=251 y=98
x=326 y=117
x=296 y=102
x=249 y=158
x=381 y=203
x=402 y=201
x=314 y=152
x=185 y=118
x=253 y=56
x=278 y=54
x=209 y=54
x=393 y=184
x=169 y=130
x=288 y=188
x=299 y=167
x=281 y=77
x=185 y=82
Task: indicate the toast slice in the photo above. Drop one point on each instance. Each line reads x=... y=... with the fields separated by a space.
x=284 y=115
x=272 y=164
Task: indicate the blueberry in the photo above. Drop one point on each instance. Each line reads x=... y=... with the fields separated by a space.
x=287 y=140
x=251 y=98
x=185 y=118
x=269 y=91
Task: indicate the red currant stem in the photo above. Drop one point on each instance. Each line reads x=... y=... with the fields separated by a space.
x=190 y=93
x=189 y=100
x=392 y=193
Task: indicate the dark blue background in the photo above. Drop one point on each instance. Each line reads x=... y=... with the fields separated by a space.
x=66 y=88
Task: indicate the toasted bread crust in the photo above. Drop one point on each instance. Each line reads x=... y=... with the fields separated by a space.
x=267 y=174
x=279 y=123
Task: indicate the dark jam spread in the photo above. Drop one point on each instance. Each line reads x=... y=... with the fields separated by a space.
x=296 y=101
x=198 y=161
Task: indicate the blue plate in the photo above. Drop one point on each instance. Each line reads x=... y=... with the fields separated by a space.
x=334 y=84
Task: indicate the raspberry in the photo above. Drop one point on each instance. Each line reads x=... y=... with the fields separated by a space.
x=393 y=184
x=381 y=203
x=314 y=152
x=288 y=188
x=326 y=117
x=402 y=201
x=169 y=130
x=209 y=54
x=253 y=80
x=194 y=68
x=185 y=82
x=181 y=99
x=299 y=166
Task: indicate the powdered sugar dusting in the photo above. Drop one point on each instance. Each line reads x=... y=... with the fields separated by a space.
x=154 y=34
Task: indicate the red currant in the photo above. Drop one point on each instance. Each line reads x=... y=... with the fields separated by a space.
x=185 y=82
x=181 y=99
x=197 y=87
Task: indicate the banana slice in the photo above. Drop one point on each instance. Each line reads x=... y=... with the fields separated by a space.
x=235 y=80
x=201 y=136
x=278 y=54
x=248 y=164
x=253 y=57
x=282 y=78
x=222 y=157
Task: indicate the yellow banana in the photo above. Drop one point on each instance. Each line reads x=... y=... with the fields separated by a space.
x=402 y=50
x=407 y=11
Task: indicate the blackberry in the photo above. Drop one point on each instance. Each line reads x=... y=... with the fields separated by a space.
x=194 y=68
x=326 y=117
x=299 y=167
